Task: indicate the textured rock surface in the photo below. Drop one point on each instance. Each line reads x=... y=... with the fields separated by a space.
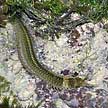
x=87 y=56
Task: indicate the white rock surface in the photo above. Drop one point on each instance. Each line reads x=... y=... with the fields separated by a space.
x=57 y=56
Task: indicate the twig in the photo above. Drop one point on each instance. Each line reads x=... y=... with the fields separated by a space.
x=65 y=15
x=32 y=16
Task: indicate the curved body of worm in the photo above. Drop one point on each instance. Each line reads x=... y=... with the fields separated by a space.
x=31 y=64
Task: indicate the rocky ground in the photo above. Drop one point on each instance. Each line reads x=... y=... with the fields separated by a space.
x=83 y=52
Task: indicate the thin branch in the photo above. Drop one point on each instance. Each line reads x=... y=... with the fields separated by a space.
x=65 y=15
x=34 y=17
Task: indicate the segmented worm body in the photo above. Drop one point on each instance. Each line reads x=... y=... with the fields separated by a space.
x=31 y=64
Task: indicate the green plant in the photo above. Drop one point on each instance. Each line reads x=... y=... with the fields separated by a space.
x=4 y=85
x=3 y=11
x=22 y=3
x=55 y=6
x=95 y=10
x=14 y=103
x=7 y=104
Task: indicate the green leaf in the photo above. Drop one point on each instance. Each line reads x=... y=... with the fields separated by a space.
x=5 y=102
x=55 y=6
x=4 y=85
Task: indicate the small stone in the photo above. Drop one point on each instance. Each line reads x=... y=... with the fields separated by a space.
x=65 y=72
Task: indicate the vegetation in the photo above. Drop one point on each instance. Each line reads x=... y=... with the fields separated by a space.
x=55 y=6
x=15 y=103
x=51 y=13
x=11 y=101
x=96 y=10
x=6 y=103
x=4 y=85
